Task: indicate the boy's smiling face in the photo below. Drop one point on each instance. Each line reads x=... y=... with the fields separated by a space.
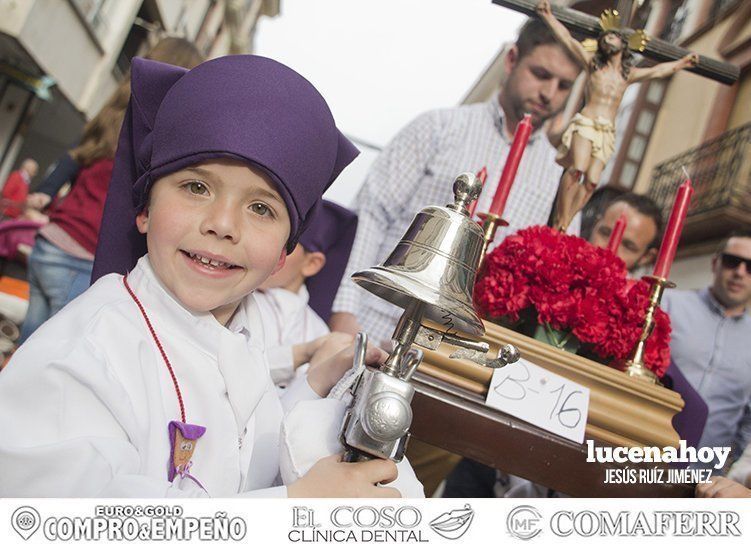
x=215 y=231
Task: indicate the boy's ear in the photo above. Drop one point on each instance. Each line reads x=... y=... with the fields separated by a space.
x=281 y=262
x=142 y=221
x=314 y=261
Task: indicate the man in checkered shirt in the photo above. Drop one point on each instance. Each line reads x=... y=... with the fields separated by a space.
x=419 y=165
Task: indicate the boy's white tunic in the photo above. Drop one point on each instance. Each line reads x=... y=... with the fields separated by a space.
x=288 y=320
x=86 y=401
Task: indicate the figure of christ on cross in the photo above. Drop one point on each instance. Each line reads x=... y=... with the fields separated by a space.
x=589 y=140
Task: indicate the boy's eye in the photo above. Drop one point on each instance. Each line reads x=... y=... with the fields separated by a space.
x=260 y=208
x=197 y=188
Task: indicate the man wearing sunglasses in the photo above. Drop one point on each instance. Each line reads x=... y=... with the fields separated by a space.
x=711 y=343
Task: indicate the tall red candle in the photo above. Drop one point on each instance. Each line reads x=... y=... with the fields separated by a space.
x=521 y=137
x=673 y=230
x=617 y=235
x=482 y=175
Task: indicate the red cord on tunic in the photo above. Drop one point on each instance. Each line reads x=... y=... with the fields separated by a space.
x=158 y=345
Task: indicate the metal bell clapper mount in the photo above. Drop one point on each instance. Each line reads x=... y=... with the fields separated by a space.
x=634 y=365
x=431 y=275
x=471 y=350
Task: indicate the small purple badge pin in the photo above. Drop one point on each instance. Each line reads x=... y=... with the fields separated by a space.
x=183 y=437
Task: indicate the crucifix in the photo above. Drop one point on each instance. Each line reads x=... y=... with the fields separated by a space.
x=655 y=49
x=589 y=141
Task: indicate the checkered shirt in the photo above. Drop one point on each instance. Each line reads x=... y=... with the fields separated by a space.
x=417 y=169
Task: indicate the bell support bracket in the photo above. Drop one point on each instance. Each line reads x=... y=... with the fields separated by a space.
x=471 y=350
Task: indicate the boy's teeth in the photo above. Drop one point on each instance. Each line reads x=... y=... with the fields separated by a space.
x=206 y=260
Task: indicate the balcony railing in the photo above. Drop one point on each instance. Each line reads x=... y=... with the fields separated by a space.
x=720 y=171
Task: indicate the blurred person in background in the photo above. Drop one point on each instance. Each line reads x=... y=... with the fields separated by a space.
x=722 y=488
x=63 y=256
x=643 y=229
x=418 y=167
x=16 y=188
x=709 y=343
x=594 y=209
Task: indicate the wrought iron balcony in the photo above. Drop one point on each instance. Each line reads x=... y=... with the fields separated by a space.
x=720 y=171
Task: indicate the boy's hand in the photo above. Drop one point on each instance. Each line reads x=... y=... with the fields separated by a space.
x=330 y=477
x=326 y=347
x=328 y=366
x=722 y=488
x=331 y=343
x=344 y=322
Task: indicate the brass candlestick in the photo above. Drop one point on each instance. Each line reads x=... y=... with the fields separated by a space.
x=634 y=365
x=490 y=224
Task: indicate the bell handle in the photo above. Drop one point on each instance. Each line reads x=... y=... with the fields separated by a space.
x=361 y=348
x=411 y=361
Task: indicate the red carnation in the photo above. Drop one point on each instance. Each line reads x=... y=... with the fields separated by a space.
x=571 y=285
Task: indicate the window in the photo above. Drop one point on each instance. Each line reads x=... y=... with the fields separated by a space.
x=136 y=42
x=628 y=175
x=92 y=13
x=636 y=148
x=649 y=102
x=645 y=122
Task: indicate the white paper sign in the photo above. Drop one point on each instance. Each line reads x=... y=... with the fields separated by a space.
x=540 y=397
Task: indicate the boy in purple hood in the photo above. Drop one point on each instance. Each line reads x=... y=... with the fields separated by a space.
x=154 y=382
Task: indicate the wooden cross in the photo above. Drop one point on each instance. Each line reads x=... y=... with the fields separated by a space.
x=624 y=7
x=656 y=49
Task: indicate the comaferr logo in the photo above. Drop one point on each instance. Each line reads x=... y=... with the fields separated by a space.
x=524 y=522
x=453 y=524
x=589 y=523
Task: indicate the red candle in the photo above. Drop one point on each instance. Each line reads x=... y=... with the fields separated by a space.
x=673 y=230
x=617 y=235
x=521 y=136
x=482 y=175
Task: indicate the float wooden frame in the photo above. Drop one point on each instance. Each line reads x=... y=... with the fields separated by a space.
x=622 y=410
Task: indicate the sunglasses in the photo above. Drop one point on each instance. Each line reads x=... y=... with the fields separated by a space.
x=731 y=262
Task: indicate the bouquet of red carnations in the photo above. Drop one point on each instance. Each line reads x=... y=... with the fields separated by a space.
x=570 y=285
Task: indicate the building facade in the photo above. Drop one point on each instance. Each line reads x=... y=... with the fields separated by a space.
x=60 y=60
x=686 y=121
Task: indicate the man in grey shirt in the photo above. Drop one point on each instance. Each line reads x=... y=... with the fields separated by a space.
x=711 y=343
x=419 y=165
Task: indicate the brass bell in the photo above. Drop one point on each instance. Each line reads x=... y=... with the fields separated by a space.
x=435 y=262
